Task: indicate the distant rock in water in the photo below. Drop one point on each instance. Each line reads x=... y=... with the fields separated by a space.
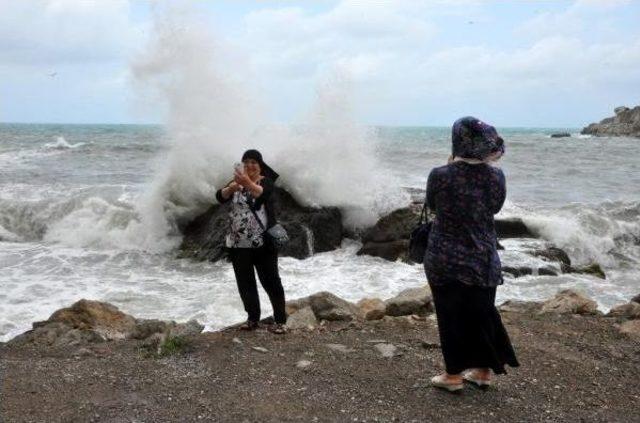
x=311 y=230
x=560 y=135
x=626 y=122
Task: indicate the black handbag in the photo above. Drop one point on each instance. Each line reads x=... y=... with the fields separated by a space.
x=419 y=238
x=276 y=235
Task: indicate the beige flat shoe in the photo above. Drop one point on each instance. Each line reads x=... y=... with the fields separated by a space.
x=441 y=382
x=470 y=376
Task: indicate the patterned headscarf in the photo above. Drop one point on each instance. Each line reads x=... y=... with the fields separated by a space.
x=474 y=139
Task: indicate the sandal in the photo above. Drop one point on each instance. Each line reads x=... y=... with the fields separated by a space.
x=249 y=325
x=442 y=382
x=471 y=377
x=278 y=329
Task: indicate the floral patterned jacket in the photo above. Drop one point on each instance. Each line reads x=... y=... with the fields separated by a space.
x=244 y=229
x=462 y=243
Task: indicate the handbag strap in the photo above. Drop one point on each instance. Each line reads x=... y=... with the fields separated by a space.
x=250 y=203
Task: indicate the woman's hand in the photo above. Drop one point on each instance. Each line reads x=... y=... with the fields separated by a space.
x=242 y=179
x=230 y=189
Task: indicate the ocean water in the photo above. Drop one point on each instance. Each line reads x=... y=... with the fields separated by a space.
x=90 y=211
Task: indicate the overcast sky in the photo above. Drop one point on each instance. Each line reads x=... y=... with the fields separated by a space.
x=512 y=63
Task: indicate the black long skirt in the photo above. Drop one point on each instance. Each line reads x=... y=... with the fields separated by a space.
x=471 y=331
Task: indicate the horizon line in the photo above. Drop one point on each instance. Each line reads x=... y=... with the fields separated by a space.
x=369 y=125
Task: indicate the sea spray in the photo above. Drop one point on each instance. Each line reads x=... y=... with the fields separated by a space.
x=324 y=159
x=330 y=160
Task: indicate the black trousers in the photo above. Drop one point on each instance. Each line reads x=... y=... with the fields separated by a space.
x=471 y=331
x=265 y=262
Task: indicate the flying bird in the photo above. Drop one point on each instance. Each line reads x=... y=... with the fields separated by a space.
x=52 y=74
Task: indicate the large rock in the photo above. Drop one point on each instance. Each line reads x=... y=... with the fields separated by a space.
x=513 y=228
x=372 y=308
x=88 y=322
x=311 y=230
x=396 y=225
x=569 y=301
x=593 y=269
x=392 y=251
x=102 y=318
x=410 y=301
x=554 y=254
x=327 y=306
x=302 y=319
x=389 y=237
x=626 y=122
x=636 y=299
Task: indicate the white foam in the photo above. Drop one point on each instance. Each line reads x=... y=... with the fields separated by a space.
x=213 y=116
x=62 y=144
x=7 y=236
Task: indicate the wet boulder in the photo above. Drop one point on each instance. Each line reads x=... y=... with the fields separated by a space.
x=593 y=269
x=513 y=228
x=311 y=229
x=554 y=254
x=389 y=237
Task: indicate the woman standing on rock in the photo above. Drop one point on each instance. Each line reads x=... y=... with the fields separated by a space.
x=462 y=262
x=251 y=199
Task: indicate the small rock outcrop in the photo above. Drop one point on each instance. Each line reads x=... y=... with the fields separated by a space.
x=569 y=301
x=560 y=135
x=311 y=230
x=389 y=237
x=515 y=306
x=325 y=306
x=303 y=318
x=372 y=308
x=629 y=311
x=410 y=301
x=631 y=328
x=87 y=322
x=626 y=122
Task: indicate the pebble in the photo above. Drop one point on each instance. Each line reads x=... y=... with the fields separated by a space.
x=260 y=349
x=340 y=348
x=236 y=341
x=387 y=350
x=303 y=364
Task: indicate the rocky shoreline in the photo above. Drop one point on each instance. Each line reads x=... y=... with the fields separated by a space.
x=341 y=361
x=625 y=122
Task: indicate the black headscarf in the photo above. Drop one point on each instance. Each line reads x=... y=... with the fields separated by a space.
x=265 y=170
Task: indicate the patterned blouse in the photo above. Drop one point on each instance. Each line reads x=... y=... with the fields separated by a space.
x=244 y=229
x=462 y=243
